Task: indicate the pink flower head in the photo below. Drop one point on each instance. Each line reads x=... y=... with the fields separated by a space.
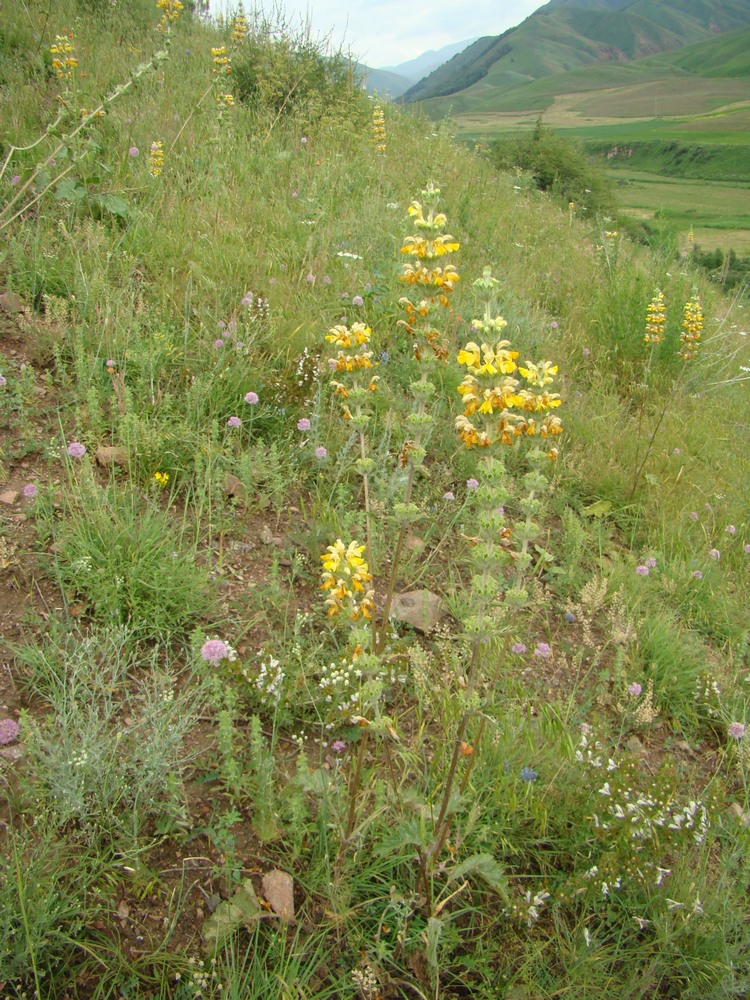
x=218 y=343
x=472 y=484
x=697 y=575
x=234 y=422
x=650 y=562
x=736 y=730
x=214 y=651
x=714 y=553
x=338 y=745
x=448 y=495
x=635 y=689
x=746 y=550
x=586 y=351
x=694 y=515
x=642 y=570
x=543 y=650
x=730 y=529
x=134 y=151
x=3 y=380
x=76 y=449
x=519 y=648
x=554 y=324
x=303 y=140
x=251 y=398
x=303 y=424
x=358 y=300
x=9 y=731
x=321 y=452
x=310 y=279
x=15 y=179
x=29 y=491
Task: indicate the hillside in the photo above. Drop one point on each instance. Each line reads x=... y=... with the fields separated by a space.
x=563 y=37
x=374 y=548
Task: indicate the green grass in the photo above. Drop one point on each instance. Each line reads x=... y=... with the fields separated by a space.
x=452 y=808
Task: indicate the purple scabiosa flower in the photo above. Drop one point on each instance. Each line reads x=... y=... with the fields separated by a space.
x=358 y=300
x=697 y=575
x=694 y=515
x=251 y=398
x=635 y=689
x=321 y=452
x=676 y=451
x=519 y=648
x=134 y=151
x=554 y=324
x=234 y=422
x=642 y=570
x=714 y=554
x=472 y=484
x=15 y=179
x=303 y=424
x=586 y=351
x=214 y=651
x=310 y=279
x=746 y=550
x=730 y=529
x=3 y=380
x=29 y=491
x=76 y=449
x=338 y=745
x=218 y=343
x=569 y=617
x=543 y=650
x=448 y=495
x=650 y=562
x=736 y=730
x=528 y=774
x=110 y=363
x=327 y=280
x=9 y=731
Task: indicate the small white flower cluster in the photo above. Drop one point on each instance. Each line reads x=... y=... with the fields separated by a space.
x=528 y=909
x=270 y=681
x=708 y=694
x=590 y=751
x=203 y=982
x=82 y=565
x=366 y=982
x=340 y=684
x=605 y=886
x=643 y=815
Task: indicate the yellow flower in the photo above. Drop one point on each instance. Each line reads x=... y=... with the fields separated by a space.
x=156 y=157
x=344 y=576
x=656 y=319
x=342 y=336
x=162 y=478
x=541 y=374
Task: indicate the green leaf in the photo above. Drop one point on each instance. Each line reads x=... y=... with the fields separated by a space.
x=598 y=509
x=483 y=866
x=113 y=203
x=239 y=911
x=69 y=190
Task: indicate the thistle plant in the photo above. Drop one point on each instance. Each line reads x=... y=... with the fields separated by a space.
x=499 y=410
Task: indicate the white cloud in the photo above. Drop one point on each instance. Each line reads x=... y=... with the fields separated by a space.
x=389 y=32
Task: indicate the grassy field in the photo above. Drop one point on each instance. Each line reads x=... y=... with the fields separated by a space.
x=374 y=549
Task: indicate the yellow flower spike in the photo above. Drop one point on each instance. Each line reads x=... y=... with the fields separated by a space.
x=470 y=355
x=656 y=319
x=541 y=374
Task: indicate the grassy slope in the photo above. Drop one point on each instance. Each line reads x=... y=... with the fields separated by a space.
x=112 y=887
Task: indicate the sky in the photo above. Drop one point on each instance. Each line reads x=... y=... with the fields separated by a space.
x=383 y=33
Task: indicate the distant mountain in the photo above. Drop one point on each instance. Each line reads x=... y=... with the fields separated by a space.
x=506 y=71
x=416 y=69
x=393 y=81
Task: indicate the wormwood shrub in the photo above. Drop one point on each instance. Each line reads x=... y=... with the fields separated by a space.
x=109 y=758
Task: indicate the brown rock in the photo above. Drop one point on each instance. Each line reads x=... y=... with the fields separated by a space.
x=108 y=456
x=278 y=888
x=12 y=303
x=234 y=487
x=419 y=608
x=9 y=497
